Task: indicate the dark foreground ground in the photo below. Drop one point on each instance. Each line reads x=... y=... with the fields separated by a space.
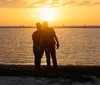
x=62 y=71
x=64 y=74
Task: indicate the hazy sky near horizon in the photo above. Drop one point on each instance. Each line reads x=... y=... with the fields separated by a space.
x=57 y=12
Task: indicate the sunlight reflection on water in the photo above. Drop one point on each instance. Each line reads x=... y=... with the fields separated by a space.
x=78 y=46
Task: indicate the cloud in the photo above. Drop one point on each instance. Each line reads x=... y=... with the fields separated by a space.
x=46 y=3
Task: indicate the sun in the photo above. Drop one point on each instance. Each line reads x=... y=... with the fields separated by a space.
x=48 y=14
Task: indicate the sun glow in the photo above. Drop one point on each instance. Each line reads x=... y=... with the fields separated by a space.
x=48 y=14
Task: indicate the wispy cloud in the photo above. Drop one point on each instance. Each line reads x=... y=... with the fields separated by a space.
x=46 y=3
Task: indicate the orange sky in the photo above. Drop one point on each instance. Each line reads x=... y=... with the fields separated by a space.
x=68 y=12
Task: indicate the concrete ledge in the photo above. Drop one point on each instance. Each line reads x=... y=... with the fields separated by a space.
x=62 y=71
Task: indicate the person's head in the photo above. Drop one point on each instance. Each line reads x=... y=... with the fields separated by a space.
x=39 y=26
x=45 y=24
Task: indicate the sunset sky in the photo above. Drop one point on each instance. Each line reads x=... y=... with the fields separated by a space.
x=56 y=12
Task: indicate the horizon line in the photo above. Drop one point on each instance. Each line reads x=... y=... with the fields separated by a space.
x=67 y=26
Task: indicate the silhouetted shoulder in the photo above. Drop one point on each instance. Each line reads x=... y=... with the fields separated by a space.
x=36 y=37
x=34 y=33
x=52 y=30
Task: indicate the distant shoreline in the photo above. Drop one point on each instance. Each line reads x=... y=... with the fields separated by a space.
x=77 y=26
x=17 y=27
x=52 y=26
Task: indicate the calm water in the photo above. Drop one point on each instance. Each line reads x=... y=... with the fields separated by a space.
x=77 y=46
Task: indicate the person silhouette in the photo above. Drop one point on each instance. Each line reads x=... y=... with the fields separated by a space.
x=38 y=52
x=49 y=39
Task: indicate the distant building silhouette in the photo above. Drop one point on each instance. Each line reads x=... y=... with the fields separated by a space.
x=84 y=25
x=63 y=25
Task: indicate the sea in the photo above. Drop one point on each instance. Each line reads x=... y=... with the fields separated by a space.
x=78 y=46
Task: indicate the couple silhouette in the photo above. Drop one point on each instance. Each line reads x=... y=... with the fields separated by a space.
x=45 y=40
